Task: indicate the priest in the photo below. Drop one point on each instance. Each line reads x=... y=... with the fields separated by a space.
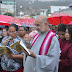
x=45 y=49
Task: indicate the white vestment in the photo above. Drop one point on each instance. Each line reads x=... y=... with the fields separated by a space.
x=43 y=63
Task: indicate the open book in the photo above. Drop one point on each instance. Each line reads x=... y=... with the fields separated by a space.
x=5 y=49
x=18 y=46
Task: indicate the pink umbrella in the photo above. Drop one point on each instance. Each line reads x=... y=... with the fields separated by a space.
x=4 y=20
x=16 y=21
x=70 y=23
x=23 y=21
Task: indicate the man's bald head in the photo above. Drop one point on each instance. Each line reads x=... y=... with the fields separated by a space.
x=41 y=23
x=41 y=18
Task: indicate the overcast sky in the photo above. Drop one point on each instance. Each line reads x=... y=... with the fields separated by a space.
x=48 y=0
x=45 y=0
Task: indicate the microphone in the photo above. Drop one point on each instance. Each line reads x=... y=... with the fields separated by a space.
x=9 y=37
x=8 y=41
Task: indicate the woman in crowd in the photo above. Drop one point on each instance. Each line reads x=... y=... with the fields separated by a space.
x=61 y=35
x=32 y=33
x=23 y=35
x=4 y=32
x=65 y=62
x=12 y=62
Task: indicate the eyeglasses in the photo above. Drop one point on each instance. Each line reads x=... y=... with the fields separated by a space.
x=37 y=24
x=61 y=34
x=12 y=32
x=21 y=30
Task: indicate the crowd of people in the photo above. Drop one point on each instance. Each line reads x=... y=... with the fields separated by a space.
x=50 y=47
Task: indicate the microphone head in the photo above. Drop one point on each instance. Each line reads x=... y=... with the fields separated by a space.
x=10 y=37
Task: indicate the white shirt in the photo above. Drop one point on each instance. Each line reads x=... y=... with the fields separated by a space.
x=41 y=63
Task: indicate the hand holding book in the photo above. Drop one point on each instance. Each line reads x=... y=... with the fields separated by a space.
x=18 y=46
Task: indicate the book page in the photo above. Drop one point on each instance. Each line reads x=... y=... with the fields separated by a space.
x=5 y=49
x=19 y=46
x=16 y=46
x=2 y=50
x=22 y=44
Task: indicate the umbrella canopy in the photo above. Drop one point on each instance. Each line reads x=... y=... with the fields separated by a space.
x=60 y=18
x=15 y=21
x=70 y=23
x=4 y=20
x=70 y=5
x=23 y=21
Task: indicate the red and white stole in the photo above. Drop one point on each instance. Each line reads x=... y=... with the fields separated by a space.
x=46 y=42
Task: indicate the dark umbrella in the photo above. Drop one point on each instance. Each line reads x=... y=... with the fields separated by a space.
x=70 y=6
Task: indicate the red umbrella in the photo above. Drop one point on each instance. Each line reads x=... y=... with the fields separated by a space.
x=70 y=23
x=60 y=18
x=4 y=20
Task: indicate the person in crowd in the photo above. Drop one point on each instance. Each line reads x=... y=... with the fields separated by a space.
x=44 y=53
x=61 y=34
x=27 y=30
x=11 y=62
x=4 y=32
x=32 y=33
x=6 y=27
x=65 y=62
x=25 y=37
x=53 y=28
x=50 y=27
x=21 y=32
x=56 y=29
